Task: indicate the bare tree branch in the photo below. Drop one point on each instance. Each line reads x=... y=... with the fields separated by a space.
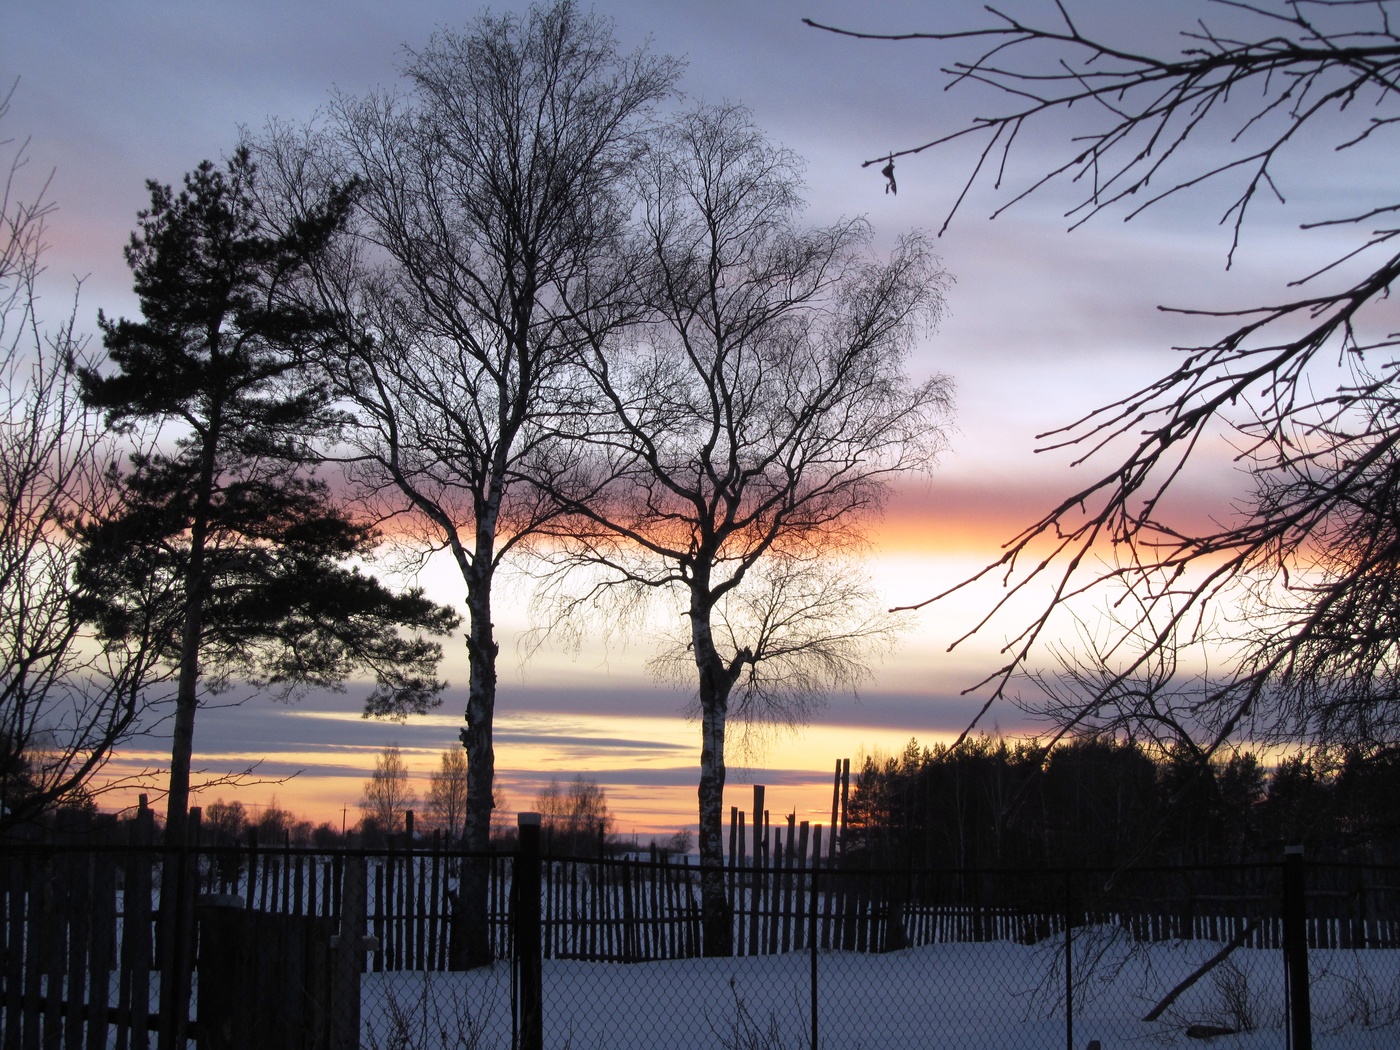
x=743 y=434
x=489 y=194
x=66 y=698
x=1309 y=550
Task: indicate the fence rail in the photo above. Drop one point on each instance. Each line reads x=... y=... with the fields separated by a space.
x=647 y=908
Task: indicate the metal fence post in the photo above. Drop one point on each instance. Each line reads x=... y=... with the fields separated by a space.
x=528 y=942
x=1295 y=949
x=1069 y=962
x=812 y=948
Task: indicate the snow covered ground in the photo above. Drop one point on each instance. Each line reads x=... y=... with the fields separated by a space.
x=992 y=996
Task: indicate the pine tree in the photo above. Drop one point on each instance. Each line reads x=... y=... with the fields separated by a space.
x=224 y=528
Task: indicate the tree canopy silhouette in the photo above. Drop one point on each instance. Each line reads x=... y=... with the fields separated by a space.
x=489 y=195
x=222 y=527
x=744 y=431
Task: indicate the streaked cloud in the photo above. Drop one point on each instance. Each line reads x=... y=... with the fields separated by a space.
x=1041 y=328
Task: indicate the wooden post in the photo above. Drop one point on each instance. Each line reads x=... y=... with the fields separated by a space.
x=629 y=917
x=433 y=903
x=177 y=892
x=35 y=945
x=49 y=906
x=104 y=940
x=894 y=937
x=591 y=906
x=736 y=842
x=756 y=883
x=774 y=886
x=348 y=949
x=800 y=928
x=12 y=959
x=847 y=901
x=249 y=902
x=134 y=983
x=393 y=902
x=298 y=885
x=410 y=899
x=79 y=915
x=789 y=867
x=740 y=896
x=835 y=815
x=845 y=799
x=656 y=875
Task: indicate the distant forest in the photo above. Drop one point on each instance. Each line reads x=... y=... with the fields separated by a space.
x=995 y=802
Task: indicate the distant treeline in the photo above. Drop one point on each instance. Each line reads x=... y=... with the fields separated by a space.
x=994 y=802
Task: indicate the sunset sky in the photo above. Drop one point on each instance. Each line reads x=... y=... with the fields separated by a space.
x=1041 y=326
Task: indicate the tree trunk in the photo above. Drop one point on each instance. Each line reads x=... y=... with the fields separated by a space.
x=716 y=910
x=472 y=940
x=182 y=744
x=177 y=802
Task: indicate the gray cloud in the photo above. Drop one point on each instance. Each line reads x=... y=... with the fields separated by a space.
x=1041 y=326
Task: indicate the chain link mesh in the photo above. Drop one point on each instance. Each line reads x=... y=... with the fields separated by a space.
x=832 y=957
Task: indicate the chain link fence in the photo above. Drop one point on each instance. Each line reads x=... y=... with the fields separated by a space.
x=1255 y=955
x=354 y=948
x=957 y=959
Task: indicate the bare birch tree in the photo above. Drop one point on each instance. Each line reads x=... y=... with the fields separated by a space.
x=745 y=434
x=489 y=202
x=575 y=817
x=388 y=793
x=447 y=793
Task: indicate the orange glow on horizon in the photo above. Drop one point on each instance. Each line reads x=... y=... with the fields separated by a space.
x=931 y=537
x=653 y=796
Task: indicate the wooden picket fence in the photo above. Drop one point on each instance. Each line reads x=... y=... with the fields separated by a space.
x=89 y=937
x=74 y=919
